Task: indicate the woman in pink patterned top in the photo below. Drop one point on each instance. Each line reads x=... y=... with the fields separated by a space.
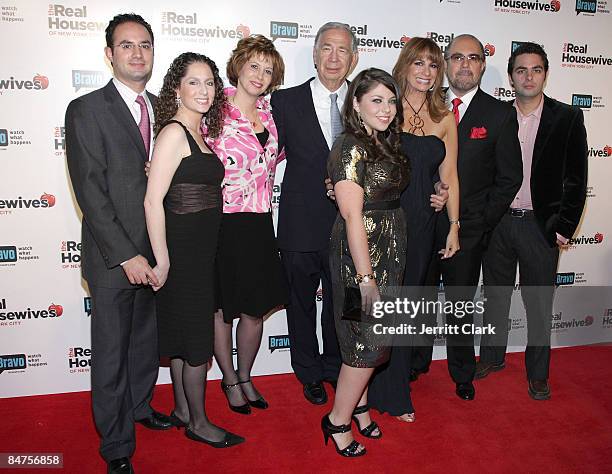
x=251 y=283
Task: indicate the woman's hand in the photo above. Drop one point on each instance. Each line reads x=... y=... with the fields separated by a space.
x=161 y=271
x=452 y=242
x=369 y=295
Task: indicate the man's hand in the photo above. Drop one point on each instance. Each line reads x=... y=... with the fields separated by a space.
x=330 y=189
x=438 y=200
x=139 y=272
x=147 y=168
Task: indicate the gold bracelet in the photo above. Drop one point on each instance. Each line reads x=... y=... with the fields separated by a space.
x=359 y=278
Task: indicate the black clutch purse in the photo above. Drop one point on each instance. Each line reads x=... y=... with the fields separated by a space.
x=352 y=305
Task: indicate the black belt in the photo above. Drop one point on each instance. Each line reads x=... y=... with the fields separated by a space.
x=381 y=205
x=520 y=212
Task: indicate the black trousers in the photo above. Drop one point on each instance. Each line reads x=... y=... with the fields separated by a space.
x=304 y=271
x=124 y=364
x=519 y=240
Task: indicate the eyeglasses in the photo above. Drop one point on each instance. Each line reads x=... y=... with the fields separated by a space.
x=132 y=46
x=459 y=58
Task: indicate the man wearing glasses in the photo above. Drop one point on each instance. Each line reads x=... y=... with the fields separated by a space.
x=490 y=174
x=108 y=142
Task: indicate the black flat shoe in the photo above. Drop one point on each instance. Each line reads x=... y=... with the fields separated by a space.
x=328 y=430
x=260 y=403
x=230 y=439
x=242 y=409
x=465 y=391
x=119 y=466
x=156 y=421
x=315 y=393
x=367 y=431
x=176 y=421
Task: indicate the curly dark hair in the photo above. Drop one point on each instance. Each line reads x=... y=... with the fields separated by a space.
x=388 y=146
x=165 y=106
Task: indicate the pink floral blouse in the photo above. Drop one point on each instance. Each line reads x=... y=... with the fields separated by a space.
x=249 y=167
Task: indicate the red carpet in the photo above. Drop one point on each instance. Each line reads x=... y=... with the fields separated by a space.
x=502 y=430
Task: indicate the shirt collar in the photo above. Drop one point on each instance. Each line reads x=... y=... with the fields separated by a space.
x=466 y=99
x=128 y=95
x=537 y=112
x=321 y=92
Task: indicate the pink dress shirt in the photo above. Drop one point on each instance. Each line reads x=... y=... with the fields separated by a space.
x=249 y=167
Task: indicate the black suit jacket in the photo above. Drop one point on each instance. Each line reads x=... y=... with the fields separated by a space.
x=490 y=169
x=559 y=170
x=306 y=214
x=106 y=157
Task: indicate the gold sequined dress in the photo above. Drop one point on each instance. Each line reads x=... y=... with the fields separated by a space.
x=382 y=183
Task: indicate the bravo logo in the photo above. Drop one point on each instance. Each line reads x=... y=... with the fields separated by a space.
x=53 y=311
x=185 y=27
x=289 y=31
x=278 y=342
x=586 y=6
x=70 y=21
x=565 y=278
x=87 y=305
x=583 y=101
x=13 y=138
x=526 y=6
x=604 y=152
x=87 y=79
x=79 y=359
x=12 y=362
x=8 y=253
x=37 y=83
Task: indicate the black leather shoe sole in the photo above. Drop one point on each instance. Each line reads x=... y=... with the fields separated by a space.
x=481 y=374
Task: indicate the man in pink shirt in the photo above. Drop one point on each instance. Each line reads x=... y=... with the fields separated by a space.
x=543 y=216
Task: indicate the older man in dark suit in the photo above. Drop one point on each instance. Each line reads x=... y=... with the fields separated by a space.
x=489 y=168
x=308 y=120
x=544 y=215
x=108 y=141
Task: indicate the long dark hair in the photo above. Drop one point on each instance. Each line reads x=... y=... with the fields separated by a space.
x=166 y=107
x=388 y=146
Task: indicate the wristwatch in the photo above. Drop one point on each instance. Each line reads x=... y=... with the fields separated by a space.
x=454 y=221
x=359 y=278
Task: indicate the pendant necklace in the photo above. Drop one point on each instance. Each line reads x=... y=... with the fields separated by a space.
x=415 y=121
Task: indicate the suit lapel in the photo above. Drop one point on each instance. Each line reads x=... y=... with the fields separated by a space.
x=544 y=129
x=311 y=121
x=120 y=111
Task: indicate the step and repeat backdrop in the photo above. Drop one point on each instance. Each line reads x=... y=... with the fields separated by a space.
x=53 y=52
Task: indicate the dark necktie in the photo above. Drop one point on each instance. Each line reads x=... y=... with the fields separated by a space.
x=145 y=124
x=456 y=102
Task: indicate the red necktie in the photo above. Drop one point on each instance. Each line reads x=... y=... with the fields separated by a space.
x=145 y=124
x=456 y=102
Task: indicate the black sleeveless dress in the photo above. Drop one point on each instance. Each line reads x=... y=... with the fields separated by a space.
x=390 y=387
x=186 y=303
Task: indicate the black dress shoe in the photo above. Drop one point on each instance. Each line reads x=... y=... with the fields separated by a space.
x=230 y=439
x=485 y=368
x=465 y=391
x=120 y=466
x=539 y=389
x=157 y=421
x=315 y=393
x=260 y=403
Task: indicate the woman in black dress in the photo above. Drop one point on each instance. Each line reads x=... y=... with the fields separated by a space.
x=183 y=211
x=429 y=138
x=368 y=243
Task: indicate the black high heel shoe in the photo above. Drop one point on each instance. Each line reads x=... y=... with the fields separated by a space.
x=230 y=439
x=177 y=422
x=260 y=403
x=328 y=430
x=367 y=431
x=242 y=409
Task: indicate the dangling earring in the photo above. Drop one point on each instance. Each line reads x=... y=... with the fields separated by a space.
x=178 y=101
x=431 y=88
x=361 y=121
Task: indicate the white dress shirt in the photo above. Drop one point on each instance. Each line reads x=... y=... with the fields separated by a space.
x=322 y=105
x=465 y=100
x=129 y=97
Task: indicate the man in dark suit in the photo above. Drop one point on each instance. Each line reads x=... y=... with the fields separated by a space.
x=308 y=120
x=543 y=216
x=108 y=141
x=489 y=168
